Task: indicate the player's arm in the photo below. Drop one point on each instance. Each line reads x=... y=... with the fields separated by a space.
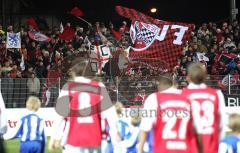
x=59 y=125
x=142 y=139
x=146 y=125
x=19 y=132
x=3 y=120
x=109 y=113
x=222 y=115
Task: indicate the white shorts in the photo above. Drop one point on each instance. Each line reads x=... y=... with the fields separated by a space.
x=72 y=149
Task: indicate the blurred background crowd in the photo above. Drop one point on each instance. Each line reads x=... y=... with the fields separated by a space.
x=37 y=67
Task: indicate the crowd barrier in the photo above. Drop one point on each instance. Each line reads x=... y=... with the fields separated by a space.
x=125 y=89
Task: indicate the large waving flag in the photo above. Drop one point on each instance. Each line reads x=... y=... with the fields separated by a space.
x=38 y=36
x=155 y=41
x=13 y=40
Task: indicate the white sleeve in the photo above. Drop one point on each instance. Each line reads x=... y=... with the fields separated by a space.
x=149 y=106
x=3 y=116
x=59 y=124
x=58 y=129
x=109 y=112
x=111 y=116
x=222 y=115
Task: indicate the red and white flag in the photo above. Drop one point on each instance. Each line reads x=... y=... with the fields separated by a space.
x=38 y=36
x=156 y=42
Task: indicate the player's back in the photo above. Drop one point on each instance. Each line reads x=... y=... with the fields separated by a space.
x=174 y=131
x=205 y=110
x=84 y=122
x=230 y=144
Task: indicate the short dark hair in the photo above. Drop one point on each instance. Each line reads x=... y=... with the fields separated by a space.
x=197 y=73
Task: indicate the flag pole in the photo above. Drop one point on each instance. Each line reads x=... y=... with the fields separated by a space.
x=84 y=20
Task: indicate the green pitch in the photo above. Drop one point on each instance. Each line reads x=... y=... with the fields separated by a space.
x=12 y=146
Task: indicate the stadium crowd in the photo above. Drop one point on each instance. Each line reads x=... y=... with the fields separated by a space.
x=216 y=45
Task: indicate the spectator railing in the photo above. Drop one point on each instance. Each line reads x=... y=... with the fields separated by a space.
x=15 y=90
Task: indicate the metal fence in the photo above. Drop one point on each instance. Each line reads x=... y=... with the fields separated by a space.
x=127 y=90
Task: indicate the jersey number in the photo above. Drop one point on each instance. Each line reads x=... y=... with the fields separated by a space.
x=169 y=132
x=204 y=120
x=84 y=101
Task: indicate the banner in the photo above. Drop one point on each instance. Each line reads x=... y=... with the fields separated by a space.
x=38 y=36
x=232 y=103
x=13 y=40
x=14 y=116
x=99 y=56
x=155 y=41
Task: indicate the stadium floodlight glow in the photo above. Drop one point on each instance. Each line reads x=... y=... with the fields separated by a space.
x=153 y=10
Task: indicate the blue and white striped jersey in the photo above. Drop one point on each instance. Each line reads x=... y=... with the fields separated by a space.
x=31 y=128
x=230 y=144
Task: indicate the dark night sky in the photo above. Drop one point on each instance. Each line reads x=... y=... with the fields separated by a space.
x=194 y=11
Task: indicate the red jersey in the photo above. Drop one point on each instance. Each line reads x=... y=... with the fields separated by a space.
x=172 y=126
x=83 y=127
x=206 y=104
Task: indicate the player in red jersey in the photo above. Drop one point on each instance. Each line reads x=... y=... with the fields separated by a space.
x=169 y=115
x=207 y=108
x=88 y=103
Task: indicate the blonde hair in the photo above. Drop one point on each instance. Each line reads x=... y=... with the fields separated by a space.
x=33 y=103
x=136 y=119
x=234 y=122
x=197 y=73
x=119 y=107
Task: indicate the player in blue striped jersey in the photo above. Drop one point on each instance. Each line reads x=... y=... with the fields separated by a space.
x=31 y=131
x=130 y=143
x=231 y=143
x=122 y=127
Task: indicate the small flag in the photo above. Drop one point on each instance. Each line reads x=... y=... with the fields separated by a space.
x=99 y=56
x=38 y=36
x=225 y=81
x=77 y=12
x=61 y=28
x=68 y=33
x=22 y=63
x=202 y=57
x=13 y=40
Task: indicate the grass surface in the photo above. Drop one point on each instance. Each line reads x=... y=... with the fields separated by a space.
x=12 y=146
